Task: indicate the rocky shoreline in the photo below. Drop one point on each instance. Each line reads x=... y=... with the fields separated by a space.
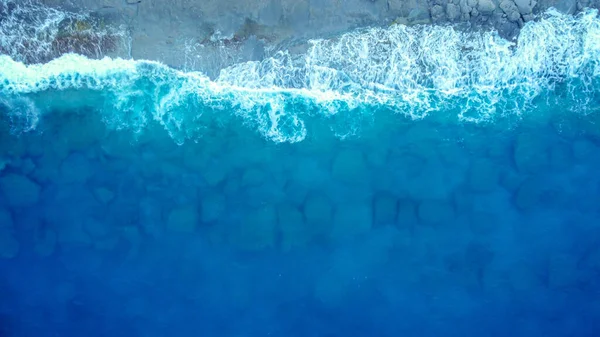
x=211 y=34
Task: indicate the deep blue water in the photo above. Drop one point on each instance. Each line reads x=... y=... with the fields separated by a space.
x=449 y=194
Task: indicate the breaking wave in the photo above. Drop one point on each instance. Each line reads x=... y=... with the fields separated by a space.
x=417 y=71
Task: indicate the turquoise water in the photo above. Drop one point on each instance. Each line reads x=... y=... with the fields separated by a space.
x=413 y=181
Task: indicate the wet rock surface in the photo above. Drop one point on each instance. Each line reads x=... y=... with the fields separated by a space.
x=210 y=35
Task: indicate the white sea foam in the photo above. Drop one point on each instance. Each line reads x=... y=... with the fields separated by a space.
x=412 y=70
x=31 y=32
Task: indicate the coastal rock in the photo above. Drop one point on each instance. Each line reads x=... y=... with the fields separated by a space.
x=270 y=14
x=103 y=195
x=183 y=220
x=407 y=215
x=511 y=180
x=257 y=231
x=19 y=191
x=478 y=256
x=530 y=153
x=486 y=6
x=76 y=168
x=511 y=10
x=214 y=175
x=569 y=6
x=483 y=176
x=437 y=13
x=213 y=206
x=536 y=191
x=318 y=211
x=584 y=149
x=9 y=246
x=45 y=241
x=526 y=6
x=453 y=12
x=351 y=220
x=349 y=166
x=351 y=264
x=5 y=219
x=482 y=223
x=150 y=216
x=435 y=212
x=419 y=16
x=563 y=272
x=307 y=171
x=131 y=234
x=294 y=232
x=561 y=156
x=253 y=177
x=72 y=232
x=384 y=212
x=97 y=229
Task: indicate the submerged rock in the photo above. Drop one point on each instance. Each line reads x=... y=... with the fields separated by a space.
x=385 y=210
x=349 y=166
x=407 y=215
x=76 y=168
x=536 y=191
x=45 y=241
x=213 y=206
x=294 y=232
x=435 y=212
x=351 y=220
x=19 y=191
x=103 y=195
x=9 y=246
x=483 y=175
x=257 y=231
x=530 y=153
x=183 y=220
x=5 y=219
x=318 y=213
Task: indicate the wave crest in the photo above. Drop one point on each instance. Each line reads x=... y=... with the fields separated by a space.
x=417 y=71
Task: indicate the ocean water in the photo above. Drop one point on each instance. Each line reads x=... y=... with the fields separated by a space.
x=398 y=181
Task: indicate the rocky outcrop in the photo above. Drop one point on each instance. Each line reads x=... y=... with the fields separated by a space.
x=208 y=35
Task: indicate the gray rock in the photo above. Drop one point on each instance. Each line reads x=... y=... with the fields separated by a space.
x=437 y=13
x=271 y=13
x=526 y=6
x=297 y=14
x=566 y=6
x=453 y=12
x=464 y=7
x=486 y=6
x=511 y=10
x=419 y=16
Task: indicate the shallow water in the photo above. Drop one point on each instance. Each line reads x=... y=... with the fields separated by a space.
x=411 y=188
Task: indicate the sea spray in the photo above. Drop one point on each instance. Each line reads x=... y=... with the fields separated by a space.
x=419 y=71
